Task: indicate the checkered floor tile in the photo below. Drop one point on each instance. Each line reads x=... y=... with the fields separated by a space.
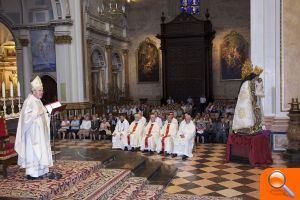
x=206 y=173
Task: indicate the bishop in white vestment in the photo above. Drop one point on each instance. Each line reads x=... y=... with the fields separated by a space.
x=33 y=134
x=184 y=140
x=151 y=135
x=166 y=140
x=119 y=135
x=134 y=134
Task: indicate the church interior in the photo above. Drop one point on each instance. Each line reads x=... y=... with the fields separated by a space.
x=168 y=99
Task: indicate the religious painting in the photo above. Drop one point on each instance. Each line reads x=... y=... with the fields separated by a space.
x=43 y=50
x=279 y=141
x=234 y=52
x=148 y=62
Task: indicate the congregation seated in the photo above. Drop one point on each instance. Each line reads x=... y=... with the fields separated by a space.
x=64 y=128
x=104 y=130
x=151 y=135
x=75 y=126
x=85 y=127
x=95 y=124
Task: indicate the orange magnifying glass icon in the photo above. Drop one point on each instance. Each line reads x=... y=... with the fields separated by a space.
x=277 y=180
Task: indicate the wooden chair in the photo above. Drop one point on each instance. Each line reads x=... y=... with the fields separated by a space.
x=7 y=153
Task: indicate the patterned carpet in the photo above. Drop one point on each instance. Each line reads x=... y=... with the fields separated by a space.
x=16 y=185
x=206 y=174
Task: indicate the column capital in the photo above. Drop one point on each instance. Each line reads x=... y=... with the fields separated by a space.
x=63 y=39
x=24 y=42
x=125 y=52
x=108 y=47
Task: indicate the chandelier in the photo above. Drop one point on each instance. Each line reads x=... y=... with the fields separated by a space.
x=111 y=9
x=190 y=6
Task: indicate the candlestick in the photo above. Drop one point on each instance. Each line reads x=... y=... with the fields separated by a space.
x=11 y=89
x=12 y=107
x=19 y=105
x=4 y=106
x=3 y=89
x=18 y=89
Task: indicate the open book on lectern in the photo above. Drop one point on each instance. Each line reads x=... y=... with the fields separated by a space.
x=55 y=107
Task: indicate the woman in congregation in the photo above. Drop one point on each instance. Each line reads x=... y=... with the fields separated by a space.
x=85 y=127
x=104 y=130
x=64 y=127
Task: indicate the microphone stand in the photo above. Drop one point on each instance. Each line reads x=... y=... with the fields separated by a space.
x=54 y=174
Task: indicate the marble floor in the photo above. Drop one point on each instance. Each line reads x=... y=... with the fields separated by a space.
x=206 y=173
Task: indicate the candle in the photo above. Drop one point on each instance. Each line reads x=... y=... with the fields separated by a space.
x=18 y=89
x=123 y=9
x=3 y=89
x=11 y=89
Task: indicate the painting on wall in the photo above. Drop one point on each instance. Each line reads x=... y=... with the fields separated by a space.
x=43 y=50
x=148 y=62
x=234 y=52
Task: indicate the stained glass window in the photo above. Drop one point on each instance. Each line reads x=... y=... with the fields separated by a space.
x=190 y=6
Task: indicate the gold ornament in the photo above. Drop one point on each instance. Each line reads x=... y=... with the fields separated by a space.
x=257 y=70
x=247 y=68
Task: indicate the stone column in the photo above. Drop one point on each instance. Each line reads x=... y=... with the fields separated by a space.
x=63 y=66
x=88 y=69
x=108 y=49
x=126 y=70
x=27 y=69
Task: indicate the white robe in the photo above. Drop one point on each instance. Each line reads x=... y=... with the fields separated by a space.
x=168 y=141
x=33 y=138
x=184 y=146
x=159 y=121
x=244 y=115
x=149 y=143
x=134 y=135
x=120 y=135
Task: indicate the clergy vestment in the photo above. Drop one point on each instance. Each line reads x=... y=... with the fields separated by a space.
x=151 y=135
x=184 y=146
x=33 y=138
x=120 y=134
x=134 y=134
x=166 y=140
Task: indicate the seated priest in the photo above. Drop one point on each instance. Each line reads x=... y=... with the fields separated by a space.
x=151 y=135
x=134 y=134
x=119 y=135
x=167 y=134
x=174 y=120
x=184 y=140
x=142 y=118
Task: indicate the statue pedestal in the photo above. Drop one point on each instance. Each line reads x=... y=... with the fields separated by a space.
x=292 y=154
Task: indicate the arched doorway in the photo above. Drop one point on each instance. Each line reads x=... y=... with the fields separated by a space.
x=8 y=59
x=50 y=89
x=98 y=73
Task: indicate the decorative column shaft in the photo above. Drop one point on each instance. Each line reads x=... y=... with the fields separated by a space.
x=88 y=69
x=27 y=69
x=126 y=70
x=108 y=49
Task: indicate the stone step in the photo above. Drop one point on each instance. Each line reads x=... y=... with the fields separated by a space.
x=127 y=160
x=164 y=175
x=129 y=189
x=148 y=169
x=150 y=192
x=93 y=154
x=98 y=185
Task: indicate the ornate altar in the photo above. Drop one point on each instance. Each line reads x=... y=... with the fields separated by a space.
x=186 y=45
x=8 y=66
